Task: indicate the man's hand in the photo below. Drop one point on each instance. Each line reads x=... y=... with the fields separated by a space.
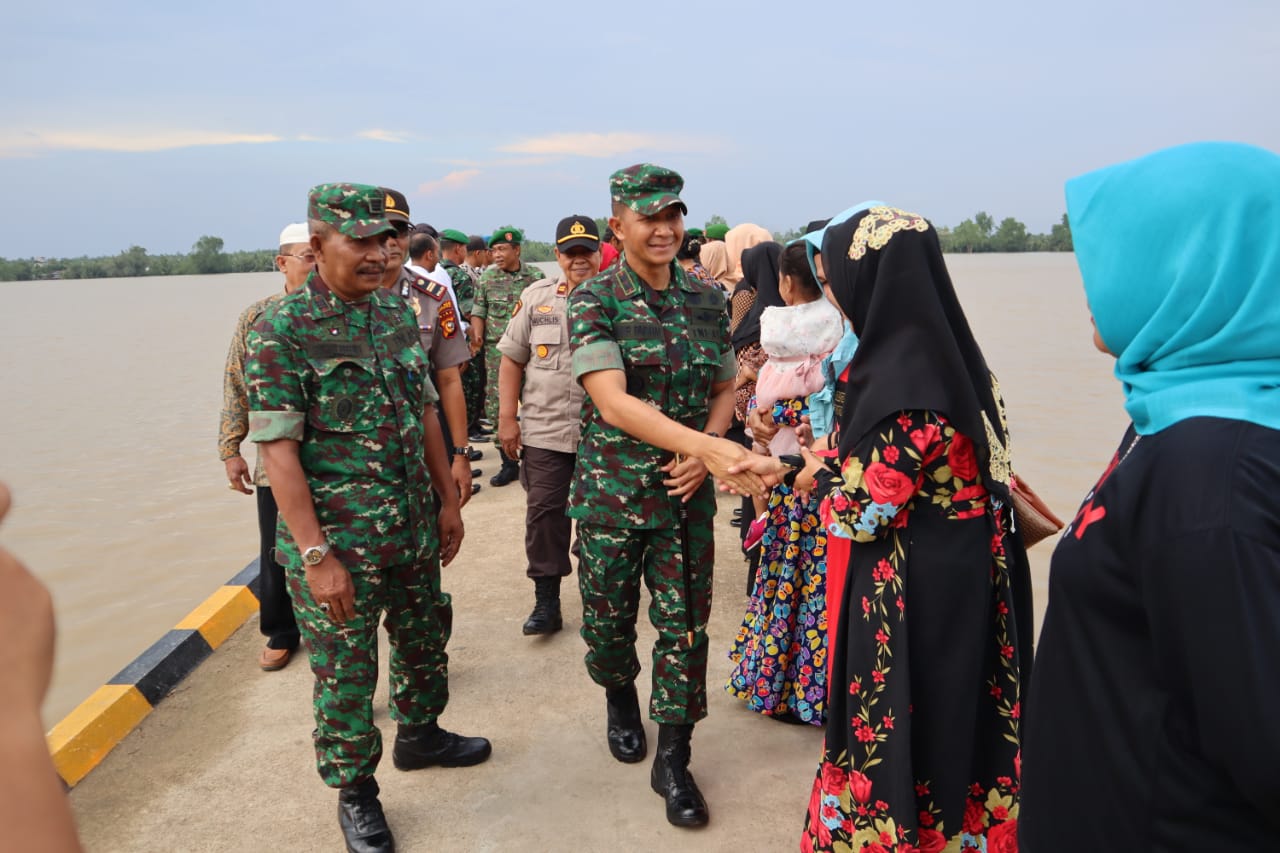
x=721 y=456
x=451 y=532
x=461 y=470
x=330 y=584
x=509 y=436
x=238 y=474
x=684 y=477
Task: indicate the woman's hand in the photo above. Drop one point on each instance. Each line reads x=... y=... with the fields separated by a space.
x=762 y=429
x=721 y=456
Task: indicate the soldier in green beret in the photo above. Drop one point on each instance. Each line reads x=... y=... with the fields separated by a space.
x=497 y=300
x=651 y=347
x=717 y=231
x=342 y=408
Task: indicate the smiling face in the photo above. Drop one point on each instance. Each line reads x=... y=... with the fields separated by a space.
x=578 y=264
x=353 y=268
x=506 y=256
x=649 y=240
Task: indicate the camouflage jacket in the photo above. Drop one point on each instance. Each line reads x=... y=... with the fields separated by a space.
x=673 y=346
x=348 y=381
x=233 y=425
x=497 y=296
x=464 y=287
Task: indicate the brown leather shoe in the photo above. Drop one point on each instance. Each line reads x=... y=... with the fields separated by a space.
x=273 y=659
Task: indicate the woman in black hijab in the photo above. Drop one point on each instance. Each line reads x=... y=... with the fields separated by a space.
x=933 y=646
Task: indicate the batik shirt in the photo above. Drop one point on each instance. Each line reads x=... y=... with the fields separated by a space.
x=233 y=425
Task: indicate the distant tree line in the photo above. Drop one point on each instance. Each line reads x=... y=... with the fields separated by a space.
x=979 y=234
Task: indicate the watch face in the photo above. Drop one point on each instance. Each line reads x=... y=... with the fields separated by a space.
x=312 y=556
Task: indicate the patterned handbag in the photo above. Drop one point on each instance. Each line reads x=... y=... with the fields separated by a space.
x=1032 y=516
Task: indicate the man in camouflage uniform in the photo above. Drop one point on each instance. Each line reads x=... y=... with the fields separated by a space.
x=275 y=611
x=453 y=254
x=497 y=299
x=535 y=358
x=438 y=323
x=342 y=408
x=651 y=348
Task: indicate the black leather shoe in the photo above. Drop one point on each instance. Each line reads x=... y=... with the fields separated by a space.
x=671 y=778
x=479 y=437
x=506 y=475
x=428 y=746
x=364 y=826
x=476 y=472
x=625 y=730
x=475 y=489
x=475 y=455
x=545 y=618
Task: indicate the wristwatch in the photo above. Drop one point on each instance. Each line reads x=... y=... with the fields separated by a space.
x=462 y=451
x=315 y=554
x=796 y=463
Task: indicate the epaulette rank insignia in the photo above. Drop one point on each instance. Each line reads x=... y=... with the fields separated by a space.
x=563 y=289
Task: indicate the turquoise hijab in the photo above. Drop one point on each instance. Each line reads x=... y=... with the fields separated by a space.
x=813 y=240
x=1180 y=254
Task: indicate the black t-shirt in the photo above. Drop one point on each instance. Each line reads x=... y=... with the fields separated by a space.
x=1153 y=721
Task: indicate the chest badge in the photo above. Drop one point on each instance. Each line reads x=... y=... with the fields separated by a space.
x=542 y=350
x=544 y=309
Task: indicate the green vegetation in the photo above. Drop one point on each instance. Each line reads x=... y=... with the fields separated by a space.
x=979 y=234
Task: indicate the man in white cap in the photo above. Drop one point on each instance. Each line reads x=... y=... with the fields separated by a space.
x=296 y=260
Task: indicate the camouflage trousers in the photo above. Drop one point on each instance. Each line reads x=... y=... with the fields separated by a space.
x=473 y=389
x=492 y=359
x=344 y=660
x=612 y=564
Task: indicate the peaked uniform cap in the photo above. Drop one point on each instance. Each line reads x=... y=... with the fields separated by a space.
x=355 y=210
x=646 y=188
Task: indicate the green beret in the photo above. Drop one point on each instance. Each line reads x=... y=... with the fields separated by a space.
x=509 y=234
x=355 y=210
x=716 y=231
x=693 y=232
x=646 y=188
x=454 y=235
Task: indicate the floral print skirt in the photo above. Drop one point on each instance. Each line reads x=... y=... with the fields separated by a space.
x=780 y=653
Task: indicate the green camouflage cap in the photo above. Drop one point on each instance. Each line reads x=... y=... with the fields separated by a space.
x=646 y=188
x=509 y=234
x=455 y=235
x=356 y=210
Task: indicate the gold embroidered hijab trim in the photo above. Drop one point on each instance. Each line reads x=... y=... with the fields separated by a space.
x=879 y=225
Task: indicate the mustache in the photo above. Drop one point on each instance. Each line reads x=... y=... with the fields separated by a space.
x=371 y=269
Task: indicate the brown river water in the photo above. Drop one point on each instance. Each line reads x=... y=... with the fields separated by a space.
x=109 y=398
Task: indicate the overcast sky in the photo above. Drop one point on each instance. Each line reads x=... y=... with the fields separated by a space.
x=154 y=123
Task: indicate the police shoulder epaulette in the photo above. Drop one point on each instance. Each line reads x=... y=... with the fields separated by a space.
x=434 y=289
x=562 y=289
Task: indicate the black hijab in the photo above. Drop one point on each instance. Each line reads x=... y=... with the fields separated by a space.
x=915 y=348
x=760 y=270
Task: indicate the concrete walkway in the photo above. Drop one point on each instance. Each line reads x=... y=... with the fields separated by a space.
x=226 y=764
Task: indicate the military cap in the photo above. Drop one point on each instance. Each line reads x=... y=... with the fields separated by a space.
x=577 y=230
x=425 y=228
x=646 y=188
x=509 y=234
x=696 y=233
x=397 y=206
x=355 y=210
x=717 y=230
x=454 y=236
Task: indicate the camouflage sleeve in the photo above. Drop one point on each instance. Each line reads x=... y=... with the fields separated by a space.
x=277 y=393
x=233 y=424
x=591 y=335
x=481 y=307
x=515 y=340
x=465 y=289
x=728 y=368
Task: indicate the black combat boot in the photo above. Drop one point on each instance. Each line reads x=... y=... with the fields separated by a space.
x=671 y=777
x=364 y=826
x=625 y=730
x=508 y=473
x=427 y=746
x=545 y=618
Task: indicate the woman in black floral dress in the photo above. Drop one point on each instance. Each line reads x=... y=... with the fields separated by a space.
x=933 y=644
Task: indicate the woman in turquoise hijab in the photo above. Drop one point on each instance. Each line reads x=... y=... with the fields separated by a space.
x=1151 y=722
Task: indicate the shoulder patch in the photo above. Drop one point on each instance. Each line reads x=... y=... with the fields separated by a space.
x=563 y=289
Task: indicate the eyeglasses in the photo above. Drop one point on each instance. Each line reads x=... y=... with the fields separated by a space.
x=306 y=257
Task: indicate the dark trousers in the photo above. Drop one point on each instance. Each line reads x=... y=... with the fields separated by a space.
x=276 y=619
x=546 y=475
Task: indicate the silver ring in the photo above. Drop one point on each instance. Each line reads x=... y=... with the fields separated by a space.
x=324 y=605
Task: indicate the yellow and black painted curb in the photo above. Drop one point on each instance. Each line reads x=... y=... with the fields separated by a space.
x=84 y=737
